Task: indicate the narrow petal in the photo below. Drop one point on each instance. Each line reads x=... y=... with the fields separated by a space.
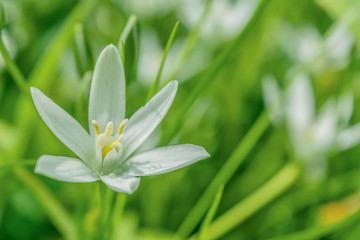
x=65 y=127
x=324 y=128
x=272 y=98
x=300 y=107
x=65 y=169
x=107 y=93
x=165 y=159
x=349 y=137
x=345 y=108
x=121 y=183
x=147 y=118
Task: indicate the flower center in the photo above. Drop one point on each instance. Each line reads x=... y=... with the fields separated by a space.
x=106 y=140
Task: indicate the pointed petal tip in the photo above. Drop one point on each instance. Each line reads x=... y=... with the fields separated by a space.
x=174 y=83
x=34 y=91
x=110 y=48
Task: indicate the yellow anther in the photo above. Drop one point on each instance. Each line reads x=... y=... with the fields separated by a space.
x=120 y=138
x=96 y=126
x=109 y=129
x=122 y=125
x=101 y=140
x=116 y=143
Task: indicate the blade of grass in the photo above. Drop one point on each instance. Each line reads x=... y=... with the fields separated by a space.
x=190 y=41
x=55 y=211
x=251 y=204
x=15 y=72
x=47 y=64
x=82 y=51
x=210 y=75
x=225 y=173
x=320 y=232
x=41 y=74
x=130 y=25
x=155 y=85
x=210 y=215
x=117 y=214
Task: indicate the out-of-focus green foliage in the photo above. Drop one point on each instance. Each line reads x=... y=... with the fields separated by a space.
x=55 y=44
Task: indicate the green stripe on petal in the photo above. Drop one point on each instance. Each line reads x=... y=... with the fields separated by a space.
x=107 y=93
x=65 y=169
x=165 y=159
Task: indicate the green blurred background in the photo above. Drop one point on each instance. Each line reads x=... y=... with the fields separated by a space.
x=284 y=35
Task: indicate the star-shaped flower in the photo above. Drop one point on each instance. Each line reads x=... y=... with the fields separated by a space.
x=313 y=135
x=104 y=154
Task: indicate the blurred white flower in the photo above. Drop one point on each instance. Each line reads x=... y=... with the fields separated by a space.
x=152 y=52
x=306 y=46
x=225 y=19
x=312 y=135
x=104 y=155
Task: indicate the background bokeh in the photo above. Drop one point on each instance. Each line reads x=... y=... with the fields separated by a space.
x=320 y=37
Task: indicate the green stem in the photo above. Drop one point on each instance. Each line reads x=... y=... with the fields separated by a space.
x=251 y=204
x=56 y=213
x=210 y=75
x=321 y=232
x=210 y=215
x=130 y=25
x=155 y=84
x=14 y=70
x=225 y=173
x=117 y=214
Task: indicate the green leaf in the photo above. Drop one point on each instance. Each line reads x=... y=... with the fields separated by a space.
x=82 y=51
x=128 y=45
x=252 y=203
x=156 y=82
x=210 y=215
x=225 y=173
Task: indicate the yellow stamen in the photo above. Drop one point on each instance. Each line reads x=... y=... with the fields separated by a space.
x=105 y=150
x=120 y=138
x=109 y=129
x=122 y=125
x=116 y=143
x=101 y=140
x=96 y=126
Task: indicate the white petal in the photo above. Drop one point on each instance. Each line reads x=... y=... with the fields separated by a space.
x=324 y=128
x=345 y=108
x=147 y=118
x=107 y=93
x=349 y=137
x=66 y=128
x=300 y=107
x=272 y=98
x=65 y=169
x=110 y=161
x=164 y=159
x=121 y=183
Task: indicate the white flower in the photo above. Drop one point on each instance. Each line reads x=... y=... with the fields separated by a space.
x=105 y=155
x=312 y=135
